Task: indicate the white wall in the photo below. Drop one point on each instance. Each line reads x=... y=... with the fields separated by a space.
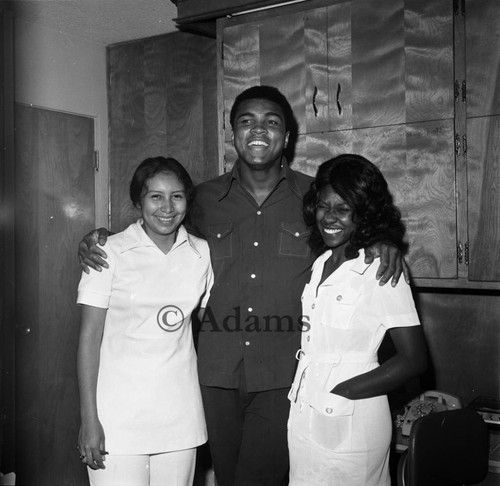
x=58 y=71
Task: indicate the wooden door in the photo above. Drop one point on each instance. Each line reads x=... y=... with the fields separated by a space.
x=482 y=22
x=374 y=78
x=54 y=207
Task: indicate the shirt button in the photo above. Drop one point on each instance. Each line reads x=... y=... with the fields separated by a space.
x=250 y=309
x=297 y=234
x=308 y=338
x=247 y=343
x=255 y=243
x=253 y=275
x=329 y=410
x=218 y=235
x=339 y=298
x=313 y=306
x=259 y=213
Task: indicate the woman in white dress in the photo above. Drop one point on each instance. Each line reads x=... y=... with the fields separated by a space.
x=140 y=402
x=340 y=426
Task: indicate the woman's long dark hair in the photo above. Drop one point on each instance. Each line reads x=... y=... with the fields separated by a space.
x=363 y=187
x=152 y=166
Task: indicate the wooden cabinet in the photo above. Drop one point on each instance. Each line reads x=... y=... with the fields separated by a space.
x=378 y=78
x=482 y=151
x=162 y=101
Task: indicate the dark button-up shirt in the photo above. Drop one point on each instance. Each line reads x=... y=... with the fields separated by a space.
x=261 y=261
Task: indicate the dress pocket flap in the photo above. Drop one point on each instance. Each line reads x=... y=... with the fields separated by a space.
x=332 y=405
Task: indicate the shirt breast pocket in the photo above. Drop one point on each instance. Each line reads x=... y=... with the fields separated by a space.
x=220 y=239
x=339 y=310
x=293 y=240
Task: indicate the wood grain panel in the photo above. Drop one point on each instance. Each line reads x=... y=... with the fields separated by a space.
x=429 y=60
x=317 y=93
x=463 y=337
x=55 y=192
x=127 y=134
x=417 y=161
x=7 y=242
x=241 y=44
x=482 y=26
x=339 y=67
x=163 y=99
x=282 y=61
x=483 y=175
x=378 y=63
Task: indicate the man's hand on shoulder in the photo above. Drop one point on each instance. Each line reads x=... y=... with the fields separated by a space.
x=392 y=263
x=89 y=254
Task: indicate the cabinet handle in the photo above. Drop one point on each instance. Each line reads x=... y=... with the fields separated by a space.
x=315 y=108
x=339 y=107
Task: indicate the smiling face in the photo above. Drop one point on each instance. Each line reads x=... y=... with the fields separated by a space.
x=334 y=219
x=259 y=133
x=163 y=207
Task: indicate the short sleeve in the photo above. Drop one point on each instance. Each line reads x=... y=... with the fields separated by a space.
x=95 y=287
x=396 y=306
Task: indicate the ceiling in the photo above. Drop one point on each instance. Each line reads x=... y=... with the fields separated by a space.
x=101 y=21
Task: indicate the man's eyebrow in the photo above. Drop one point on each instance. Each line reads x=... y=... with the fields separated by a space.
x=268 y=113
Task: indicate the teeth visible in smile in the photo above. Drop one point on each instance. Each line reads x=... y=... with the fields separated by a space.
x=164 y=220
x=331 y=231
x=259 y=143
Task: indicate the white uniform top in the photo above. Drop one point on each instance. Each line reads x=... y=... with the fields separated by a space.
x=345 y=320
x=148 y=396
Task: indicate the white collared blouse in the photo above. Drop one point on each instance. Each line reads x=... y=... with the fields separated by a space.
x=148 y=392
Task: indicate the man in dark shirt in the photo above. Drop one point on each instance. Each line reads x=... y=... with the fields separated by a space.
x=252 y=219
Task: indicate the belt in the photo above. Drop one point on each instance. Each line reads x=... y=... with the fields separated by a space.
x=332 y=358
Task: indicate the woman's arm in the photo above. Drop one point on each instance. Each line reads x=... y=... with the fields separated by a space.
x=91 y=436
x=410 y=360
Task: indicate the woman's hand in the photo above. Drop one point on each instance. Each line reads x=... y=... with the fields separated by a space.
x=91 y=444
x=89 y=254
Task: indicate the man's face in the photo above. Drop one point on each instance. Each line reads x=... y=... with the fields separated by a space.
x=259 y=133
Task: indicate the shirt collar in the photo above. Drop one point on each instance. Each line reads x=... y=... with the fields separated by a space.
x=135 y=237
x=356 y=265
x=285 y=173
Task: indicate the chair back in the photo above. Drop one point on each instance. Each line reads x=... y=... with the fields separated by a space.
x=446 y=449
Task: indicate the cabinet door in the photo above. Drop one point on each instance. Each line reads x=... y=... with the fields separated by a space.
x=374 y=78
x=482 y=23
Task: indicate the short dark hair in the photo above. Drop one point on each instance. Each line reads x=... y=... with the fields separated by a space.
x=152 y=166
x=265 y=93
x=363 y=187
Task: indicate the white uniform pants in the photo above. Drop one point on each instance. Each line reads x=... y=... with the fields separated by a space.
x=166 y=469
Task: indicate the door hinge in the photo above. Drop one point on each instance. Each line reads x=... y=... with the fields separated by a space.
x=464 y=146
x=464 y=91
x=457 y=144
x=466 y=254
x=460 y=253
x=96 y=160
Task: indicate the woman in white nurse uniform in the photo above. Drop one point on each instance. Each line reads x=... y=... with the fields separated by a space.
x=141 y=410
x=340 y=426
